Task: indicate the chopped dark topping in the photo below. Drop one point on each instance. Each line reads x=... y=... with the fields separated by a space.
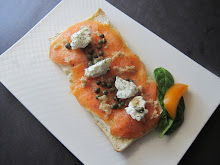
x=104 y=84
x=109 y=85
x=104 y=41
x=100 y=42
x=114 y=78
x=112 y=81
x=95 y=60
x=119 y=106
x=67 y=45
x=98 y=82
x=122 y=103
x=114 y=106
x=90 y=51
x=140 y=109
x=89 y=57
x=83 y=49
x=102 y=35
x=95 y=56
x=90 y=63
x=112 y=90
x=97 y=90
x=115 y=98
x=105 y=92
x=101 y=53
x=119 y=100
x=89 y=45
x=97 y=96
x=99 y=47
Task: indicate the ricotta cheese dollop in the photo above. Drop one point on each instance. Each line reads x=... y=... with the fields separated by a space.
x=136 y=102
x=126 y=89
x=98 y=69
x=81 y=38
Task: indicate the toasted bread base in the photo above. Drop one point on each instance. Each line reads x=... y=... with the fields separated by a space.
x=119 y=144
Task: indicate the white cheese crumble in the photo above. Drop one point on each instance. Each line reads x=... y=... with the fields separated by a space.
x=100 y=68
x=126 y=89
x=136 y=102
x=81 y=38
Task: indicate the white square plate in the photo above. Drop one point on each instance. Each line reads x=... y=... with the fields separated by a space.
x=43 y=89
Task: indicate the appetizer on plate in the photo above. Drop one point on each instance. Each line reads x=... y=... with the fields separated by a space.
x=107 y=79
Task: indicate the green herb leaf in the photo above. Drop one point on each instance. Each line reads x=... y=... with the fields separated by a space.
x=166 y=124
x=179 y=117
x=164 y=79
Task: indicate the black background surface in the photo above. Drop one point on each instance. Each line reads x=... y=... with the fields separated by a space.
x=192 y=26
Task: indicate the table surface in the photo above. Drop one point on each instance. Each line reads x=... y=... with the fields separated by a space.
x=192 y=26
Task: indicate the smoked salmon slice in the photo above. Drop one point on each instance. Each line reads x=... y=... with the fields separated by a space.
x=116 y=123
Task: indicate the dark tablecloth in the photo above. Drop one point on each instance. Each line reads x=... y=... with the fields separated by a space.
x=192 y=26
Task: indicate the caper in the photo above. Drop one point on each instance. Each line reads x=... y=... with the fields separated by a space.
x=95 y=60
x=115 y=98
x=102 y=35
x=97 y=90
x=109 y=85
x=94 y=56
x=90 y=51
x=89 y=57
x=90 y=63
x=89 y=45
x=98 y=82
x=122 y=103
x=105 y=92
x=104 y=41
x=127 y=79
x=97 y=96
x=114 y=78
x=119 y=106
x=101 y=53
x=67 y=45
x=100 y=42
x=114 y=105
x=119 y=100
x=99 y=46
x=112 y=90
x=104 y=84
x=140 y=109
x=112 y=81
x=83 y=49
